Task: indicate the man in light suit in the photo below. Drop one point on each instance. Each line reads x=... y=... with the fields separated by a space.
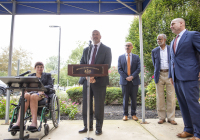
x=184 y=71
x=160 y=58
x=98 y=54
x=129 y=69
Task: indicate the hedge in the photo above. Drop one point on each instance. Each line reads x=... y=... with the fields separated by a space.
x=113 y=95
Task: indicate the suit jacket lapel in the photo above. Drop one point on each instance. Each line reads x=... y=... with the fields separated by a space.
x=181 y=41
x=158 y=53
x=168 y=52
x=98 y=53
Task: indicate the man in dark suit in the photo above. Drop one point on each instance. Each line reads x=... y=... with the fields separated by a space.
x=99 y=54
x=129 y=69
x=160 y=58
x=184 y=71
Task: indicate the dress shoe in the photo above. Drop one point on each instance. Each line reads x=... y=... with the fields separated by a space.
x=84 y=130
x=194 y=138
x=134 y=117
x=125 y=118
x=184 y=135
x=98 y=132
x=161 y=121
x=172 y=122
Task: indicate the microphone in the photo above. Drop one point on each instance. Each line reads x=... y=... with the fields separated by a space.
x=88 y=57
x=90 y=43
x=25 y=73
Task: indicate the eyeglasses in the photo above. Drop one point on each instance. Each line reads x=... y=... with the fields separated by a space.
x=159 y=39
x=128 y=45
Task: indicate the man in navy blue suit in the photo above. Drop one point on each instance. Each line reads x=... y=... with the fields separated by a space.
x=184 y=71
x=160 y=58
x=129 y=69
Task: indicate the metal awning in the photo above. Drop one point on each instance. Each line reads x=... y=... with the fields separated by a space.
x=64 y=7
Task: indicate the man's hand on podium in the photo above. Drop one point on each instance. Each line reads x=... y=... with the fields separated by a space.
x=92 y=80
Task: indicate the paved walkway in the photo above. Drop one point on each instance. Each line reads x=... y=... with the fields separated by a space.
x=112 y=130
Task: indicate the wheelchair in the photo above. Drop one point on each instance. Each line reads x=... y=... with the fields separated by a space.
x=48 y=109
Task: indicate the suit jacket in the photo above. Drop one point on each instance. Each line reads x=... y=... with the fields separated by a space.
x=155 y=55
x=184 y=63
x=103 y=56
x=135 y=69
x=47 y=82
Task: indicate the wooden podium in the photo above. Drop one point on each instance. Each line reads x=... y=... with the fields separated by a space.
x=86 y=70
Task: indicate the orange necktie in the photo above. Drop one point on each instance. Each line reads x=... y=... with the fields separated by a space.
x=129 y=65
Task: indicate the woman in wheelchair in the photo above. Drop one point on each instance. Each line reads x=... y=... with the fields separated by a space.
x=34 y=96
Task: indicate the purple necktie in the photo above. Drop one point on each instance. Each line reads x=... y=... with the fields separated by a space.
x=94 y=54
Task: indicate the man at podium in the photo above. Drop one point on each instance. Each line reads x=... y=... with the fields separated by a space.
x=98 y=54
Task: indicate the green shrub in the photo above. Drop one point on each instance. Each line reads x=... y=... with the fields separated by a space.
x=75 y=94
x=113 y=95
x=113 y=77
x=69 y=108
x=3 y=107
x=139 y=95
x=150 y=99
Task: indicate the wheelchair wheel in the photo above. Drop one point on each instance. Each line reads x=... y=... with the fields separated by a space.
x=46 y=129
x=13 y=133
x=55 y=111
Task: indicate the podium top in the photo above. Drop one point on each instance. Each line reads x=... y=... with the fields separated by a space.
x=83 y=70
x=30 y=83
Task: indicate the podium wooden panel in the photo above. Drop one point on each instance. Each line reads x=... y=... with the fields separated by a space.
x=83 y=70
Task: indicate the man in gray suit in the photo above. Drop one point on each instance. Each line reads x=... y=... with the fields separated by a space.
x=98 y=54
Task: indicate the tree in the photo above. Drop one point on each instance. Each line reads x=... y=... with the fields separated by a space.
x=18 y=54
x=51 y=64
x=74 y=58
x=156 y=20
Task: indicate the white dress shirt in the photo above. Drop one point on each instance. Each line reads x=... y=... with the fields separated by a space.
x=126 y=54
x=178 y=39
x=91 y=54
x=163 y=59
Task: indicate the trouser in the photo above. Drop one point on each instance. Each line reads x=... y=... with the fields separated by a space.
x=170 y=98
x=99 y=93
x=131 y=91
x=188 y=94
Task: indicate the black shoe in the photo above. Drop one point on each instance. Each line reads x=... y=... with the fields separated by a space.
x=32 y=128
x=15 y=128
x=98 y=132
x=85 y=129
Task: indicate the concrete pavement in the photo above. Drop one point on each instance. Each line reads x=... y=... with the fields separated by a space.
x=112 y=130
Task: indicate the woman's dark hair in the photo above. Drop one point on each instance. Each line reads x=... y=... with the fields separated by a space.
x=38 y=63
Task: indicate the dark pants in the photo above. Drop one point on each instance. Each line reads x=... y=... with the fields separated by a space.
x=99 y=93
x=188 y=94
x=131 y=91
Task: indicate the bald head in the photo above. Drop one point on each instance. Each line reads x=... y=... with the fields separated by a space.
x=180 y=20
x=177 y=25
x=128 y=47
x=96 y=37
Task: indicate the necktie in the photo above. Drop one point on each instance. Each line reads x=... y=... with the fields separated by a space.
x=174 y=46
x=94 y=54
x=129 y=65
